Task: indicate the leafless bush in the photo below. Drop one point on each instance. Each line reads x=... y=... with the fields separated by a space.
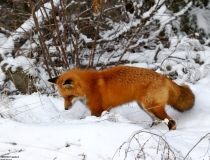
x=59 y=35
x=136 y=146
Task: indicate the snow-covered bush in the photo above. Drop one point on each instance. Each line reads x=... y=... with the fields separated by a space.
x=60 y=35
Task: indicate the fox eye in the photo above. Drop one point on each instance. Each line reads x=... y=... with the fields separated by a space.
x=67 y=82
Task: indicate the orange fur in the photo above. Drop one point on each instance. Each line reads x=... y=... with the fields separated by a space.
x=96 y=5
x=115 y=86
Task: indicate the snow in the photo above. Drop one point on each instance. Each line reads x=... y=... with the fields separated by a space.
x=3 y=39
x=27 y=26
x=148 y=13
x=22 y=61
x=187 y=44
x=165 y=18
x=2 y=77
x=203 y=19
x=37 y=126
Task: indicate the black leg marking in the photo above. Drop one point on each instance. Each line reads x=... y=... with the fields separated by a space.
x=154 y=120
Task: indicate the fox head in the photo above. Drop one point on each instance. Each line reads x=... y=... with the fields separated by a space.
x=69 y=88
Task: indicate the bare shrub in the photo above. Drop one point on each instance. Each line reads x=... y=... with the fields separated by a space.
x=60 y=35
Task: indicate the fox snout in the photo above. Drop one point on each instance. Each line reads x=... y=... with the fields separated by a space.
x=67 y=103
x=67 y=107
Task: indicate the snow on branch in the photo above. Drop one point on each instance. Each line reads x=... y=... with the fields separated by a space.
x=165 y=18
x=153 y=9
x=120 y=28
x=20 y=32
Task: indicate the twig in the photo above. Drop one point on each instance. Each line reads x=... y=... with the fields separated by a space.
x=58 y=35
x=147 y=132
x=43 y=46
x=196 y=145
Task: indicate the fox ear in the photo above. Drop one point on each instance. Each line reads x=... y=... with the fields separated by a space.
x=68 y=83
x=53 y=80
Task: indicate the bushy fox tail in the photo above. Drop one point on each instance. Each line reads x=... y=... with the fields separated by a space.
x=181 y=97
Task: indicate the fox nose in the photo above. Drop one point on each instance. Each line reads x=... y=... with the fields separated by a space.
x=66 y=109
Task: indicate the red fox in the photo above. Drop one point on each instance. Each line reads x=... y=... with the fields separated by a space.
x=106 y=89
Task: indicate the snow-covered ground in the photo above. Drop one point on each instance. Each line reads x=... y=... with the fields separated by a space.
x=36 y=127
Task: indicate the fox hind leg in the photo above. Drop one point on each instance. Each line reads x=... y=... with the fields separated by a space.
x=159 y=113
x=154 y=119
